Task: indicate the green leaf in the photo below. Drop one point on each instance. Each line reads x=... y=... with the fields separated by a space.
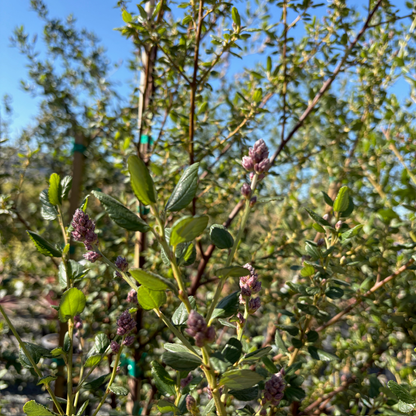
x=327 y=199
x=240 y=379
x=405 y=407
x=307 y=308
x=46 y=380
x=231 y=271
x=294 y=394
x=66 y=185
x=256 y=355
x=236 y=16
x=76 y=271
x=220 y=236
x=321 y=355
x=126 y=16
x=349 y=210
x=269 y=364
x=232 y=350
x=43 y=246
x=279 y=342
x=318 y=227
x=35 y=409
x=55 y=189
x=57 y=352
x=187 y=229
x=67 y=342
x=151 y=280
x=164 y=383
x=315 y=217
x=35 y=351
x=185 y=190
x=165 y=407
x=150 y=299
x=227 y=306
x=312 y=336
x=246 y=395
x=181 y=314
x=82 y=408
x=307 y=271
x=141 y=181
x=121 y=215
x=257 y=95
x=401 y=392
x=119 y=390
x=47 y=210
x=334 y=292
x=342 y=200
x=101 y=343
x=352 y=232
x=97 y=382
x=92 y=361
x=181 y=360
x=209 y=408
x=72 y=304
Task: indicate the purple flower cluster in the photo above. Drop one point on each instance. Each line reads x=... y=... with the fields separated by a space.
x=246 y=190
x=197 y=328
x=122 y=264
x=191 y=405
x=84 y=229
x=129 y=340
x=250 y=285
x=92 y=256
x=274 y=389
x=115 y=347
x=132 y=296
x=125 y=323
x=258 y=159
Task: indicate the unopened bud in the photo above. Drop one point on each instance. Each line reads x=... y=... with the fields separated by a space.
x=338 y=225
x=253 y=201
x=326 y=217
x=190 y=404
x=320 y=242
x=246 y=190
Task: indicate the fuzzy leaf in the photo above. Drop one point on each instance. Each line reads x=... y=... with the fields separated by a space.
x=121 y=215
x=185 y=190
x=72 y=304
x=55 y=189
x=43 y=246
x=150 y=299
x=141 y=181
x=187 y=229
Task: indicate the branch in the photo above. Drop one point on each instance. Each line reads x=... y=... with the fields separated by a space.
x=358 y=300
x=326 y=84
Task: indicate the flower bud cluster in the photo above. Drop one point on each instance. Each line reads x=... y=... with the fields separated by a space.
x=122 y=264
x=258 y=158
x=84 y=229
x=250 y=285
x=198 y=329
x=191 y=405
x=92 y=256
x=274 y=389
x=125 y=324
x=132 y=296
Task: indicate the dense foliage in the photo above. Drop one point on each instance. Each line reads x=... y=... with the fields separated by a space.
x=236 y=236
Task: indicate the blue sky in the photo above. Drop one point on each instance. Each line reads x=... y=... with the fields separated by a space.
x=99 y=16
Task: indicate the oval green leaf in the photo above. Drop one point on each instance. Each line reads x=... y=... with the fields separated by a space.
x=220 y=236
x=240 y=379
x=150 y=299
x=187 y=229
x=55 y=189
x=141 y=181
x=72 y=304
x=185 y=189
x=121 y=215
x=342 y=200
x=43 y=246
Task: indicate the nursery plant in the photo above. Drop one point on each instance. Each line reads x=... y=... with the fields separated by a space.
x=240 y=237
